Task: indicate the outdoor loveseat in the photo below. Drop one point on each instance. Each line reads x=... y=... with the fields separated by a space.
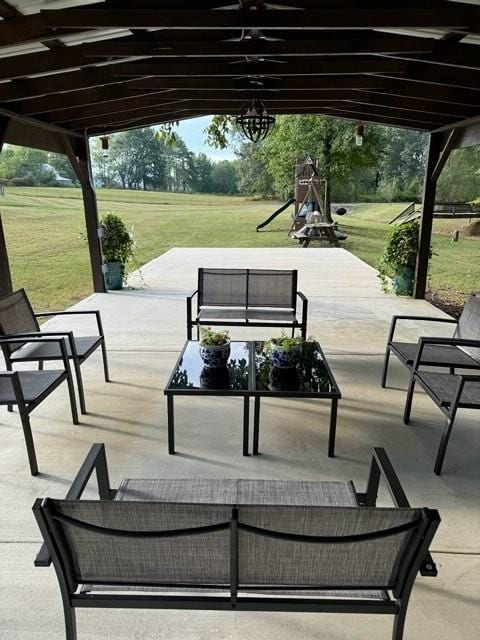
x=241 y=545
x=247 y=297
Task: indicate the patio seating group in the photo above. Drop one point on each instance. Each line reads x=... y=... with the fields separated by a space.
x=241 y=545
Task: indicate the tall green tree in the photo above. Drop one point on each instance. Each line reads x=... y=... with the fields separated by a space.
x=224 y=177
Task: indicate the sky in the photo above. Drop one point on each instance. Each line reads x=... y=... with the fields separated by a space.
x=192 y=133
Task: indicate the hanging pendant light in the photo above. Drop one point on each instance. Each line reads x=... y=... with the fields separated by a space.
x=105 y=145
x=255 y=121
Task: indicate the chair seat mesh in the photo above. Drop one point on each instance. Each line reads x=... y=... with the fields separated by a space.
x=51 y=350
x=435 y=355
x=33 y=383
x=443 y=386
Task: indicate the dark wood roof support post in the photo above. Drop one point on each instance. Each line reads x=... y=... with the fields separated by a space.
x=80 y=161
x=5 y=275
x=435 y=148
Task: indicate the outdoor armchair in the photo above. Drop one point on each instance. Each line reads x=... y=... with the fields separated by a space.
x=449 y=391
x=28 y=389
x=17 y=319
x=449 y=354
x=241 y=545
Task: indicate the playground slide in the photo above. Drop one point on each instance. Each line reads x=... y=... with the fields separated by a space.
x=275 y=214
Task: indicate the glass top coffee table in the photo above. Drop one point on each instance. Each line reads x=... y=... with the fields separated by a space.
x=250 y=373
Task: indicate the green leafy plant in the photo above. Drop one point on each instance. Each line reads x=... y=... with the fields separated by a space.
x=283 y=342
x=400 y=252
x=210 y=338
x=118 y=244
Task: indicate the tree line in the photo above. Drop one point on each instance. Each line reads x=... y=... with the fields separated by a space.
x=388 y=166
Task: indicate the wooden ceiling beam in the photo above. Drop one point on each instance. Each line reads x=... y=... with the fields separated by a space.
x=330 y=66
x=59 y=86
x=455 y=18
x=374 y=119
x=358 y=111
x=109 y=100
x=404 y=88
x=414 y=104
x=231 y=108
x=88 y=54
x=226 y=106
x=446 y=76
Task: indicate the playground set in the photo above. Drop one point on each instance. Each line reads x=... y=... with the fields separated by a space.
x=310 y=221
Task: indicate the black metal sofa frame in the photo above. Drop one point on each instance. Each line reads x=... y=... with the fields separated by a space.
x=247 y=297
x=344 y=559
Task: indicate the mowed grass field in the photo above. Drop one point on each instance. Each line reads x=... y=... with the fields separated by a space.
x=49 y=256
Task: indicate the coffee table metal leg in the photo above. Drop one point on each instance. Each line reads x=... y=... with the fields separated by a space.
x=333 y=428
x=246 y=421
x=256 y=425
x=170 y=425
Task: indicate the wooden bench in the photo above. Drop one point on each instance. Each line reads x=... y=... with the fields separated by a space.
x=247 y=297
x=240 y=545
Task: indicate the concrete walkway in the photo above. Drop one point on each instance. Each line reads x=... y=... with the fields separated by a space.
x=145 y=329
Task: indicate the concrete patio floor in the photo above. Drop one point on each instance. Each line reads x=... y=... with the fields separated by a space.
x=145 y=329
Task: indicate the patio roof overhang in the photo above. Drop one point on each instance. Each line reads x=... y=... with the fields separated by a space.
x=84 y=68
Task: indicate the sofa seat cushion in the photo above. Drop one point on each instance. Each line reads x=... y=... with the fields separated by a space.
x=348 y=594
x=222 y=313
x=240 y=492
x=271 y=315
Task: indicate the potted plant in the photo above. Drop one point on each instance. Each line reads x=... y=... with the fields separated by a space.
x=284 y=352
x=214 y=347
x=118 y=248
x=397 y=265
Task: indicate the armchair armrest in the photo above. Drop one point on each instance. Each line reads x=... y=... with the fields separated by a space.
x=396 y=318
x=304 y=300
x=96 y=460
x=189 y=312
x=96 y=312
x=382 y=467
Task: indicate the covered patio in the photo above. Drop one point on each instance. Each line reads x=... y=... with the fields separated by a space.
x=73 y=70
x=145 y=330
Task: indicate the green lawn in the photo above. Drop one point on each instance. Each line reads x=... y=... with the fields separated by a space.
x=43 y=227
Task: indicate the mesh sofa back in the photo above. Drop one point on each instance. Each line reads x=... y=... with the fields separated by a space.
x=106 y=558
x=469 y=325
x=16 y=316
x=247 y=287
x=268 y=288
x=366 y=564
x=204 y=559
x=222 y=287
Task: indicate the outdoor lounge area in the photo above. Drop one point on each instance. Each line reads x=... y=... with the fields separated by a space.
x=350 y=317
x=247 y=484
